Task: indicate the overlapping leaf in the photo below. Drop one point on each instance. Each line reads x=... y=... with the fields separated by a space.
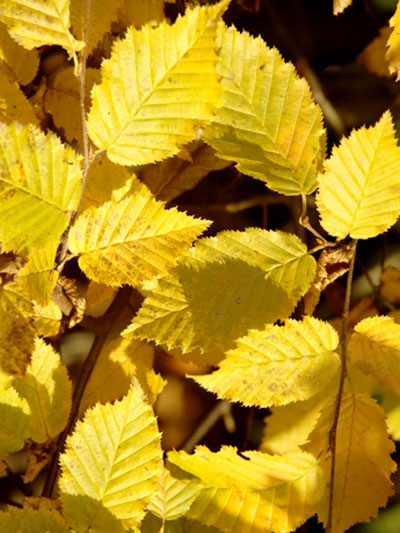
x=47 y=389
x=14 y=421
x=268 y=123
x=363 y=462
x=16 y=329
x=277 y=365
x=111 y=464
x=35 y=521
x=16 y=62
x=47 y=318
x=224 y=286
x=39 y=187
x=393 y=43
x=35 y=23
x=359 y=193
x=132 y=240
x=263 y=493
x=38 y=276
x=147 y=105
x=13 y=103
x=375 y=349
x=140 y=12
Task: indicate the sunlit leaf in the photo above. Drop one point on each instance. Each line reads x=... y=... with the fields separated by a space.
x=340 y=5
x=38 y=276
x=111 y=463
x=359 y=193
x=17 y=63
x=145 y=109
x=268 y=123
x=393 y=44
x=14 y=421
x=39 y=187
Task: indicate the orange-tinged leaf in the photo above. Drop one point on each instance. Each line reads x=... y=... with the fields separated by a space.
x=340 y=5
x=277 y=365
x=132 y=240
x=393 y=43
x=359 y=191
x=363 y=462
x=375 y=349
x=390 y=284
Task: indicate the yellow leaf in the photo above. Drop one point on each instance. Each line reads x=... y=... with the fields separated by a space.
x=34 y=23
x=268 y=123
x=263 y=493
x=112 y=462
x=340 y=5
x=16 y=62
x=374 y=54
x=43 y=520
x=375 y=349
x=98 y=297
x=359 y=191
x=390 y=284
x=47 y=318
x=363 y=462
x=13 y=103
x=62 y=100
x=14 y=421
x=131 y=240
x=393 y=44
x=173 y=497
x=147 y=113
x=174 y=176
x=102 y=13
x=47 y=389
x=220 y=288
x=391 y=406
x=39 y=186
x=38 y=277
x=16 y=330
x=277 y=365
x=105 y=181
x=118 y=362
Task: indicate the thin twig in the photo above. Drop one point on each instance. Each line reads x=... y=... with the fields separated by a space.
x=113 y=312
x=343 y=374
x=221 y=409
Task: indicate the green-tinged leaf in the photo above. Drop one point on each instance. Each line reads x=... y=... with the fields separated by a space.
x=363 y=462
x=268 y=123
x=112 y=460
x=173 y=497
x=16 y=329
x=145 y=109
x=359 y=191
x=24 y=520
x=38 y=276
x=13 y=103
x=132 y=240
x=35 y=23
x=178 y=174
x=47 y=389
x=119 y=361
x=277 y=365
x=40 y=181
x=101 y=14
x=224 y=286
x=14 y=421
x=375 y=349
x=263 y=493
x=16 y=62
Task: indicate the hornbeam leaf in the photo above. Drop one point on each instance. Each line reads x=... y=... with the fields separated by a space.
x=111 y=463
x=340 y=5
x=14 y=421
x=47 y=389
x=359 y=191
x=38 y=276
x=268 y=123
x=393 y=44
x=363 y=463
x=40 y=181
x=32 y=520
x=16 y=329
x=17 y=63
x=131 y=240
x=35 y=23
x=375 y=349
x=145 y=108
x=277 y=365
x=254 y=493
x=222 y=287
